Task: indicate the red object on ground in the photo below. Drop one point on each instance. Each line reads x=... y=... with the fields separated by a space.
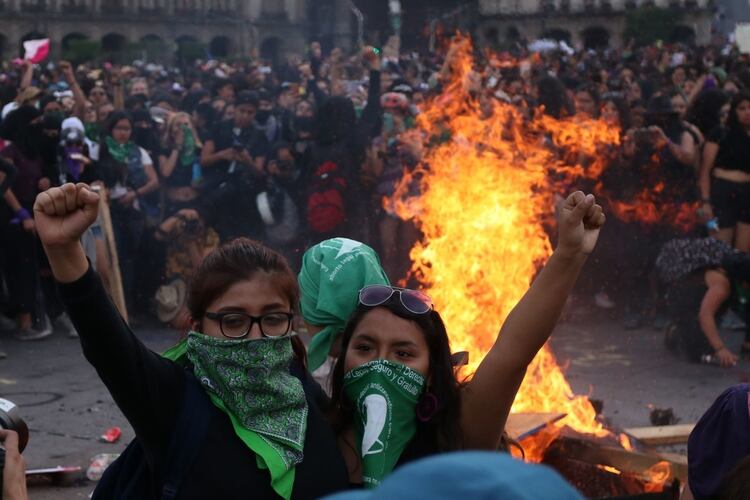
x=112 y=435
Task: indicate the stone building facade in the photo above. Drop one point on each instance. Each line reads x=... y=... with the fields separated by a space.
x=224 y=27
x=583 y=23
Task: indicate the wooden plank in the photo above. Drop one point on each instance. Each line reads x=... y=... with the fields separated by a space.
x=118 y=295
x=521 y=425
x=663 y=434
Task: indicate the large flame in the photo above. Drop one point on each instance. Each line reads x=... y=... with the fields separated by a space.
x=490 y=182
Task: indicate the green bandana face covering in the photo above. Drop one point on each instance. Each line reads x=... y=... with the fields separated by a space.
x=385 y=397
x=251 y=379
x=118 y=151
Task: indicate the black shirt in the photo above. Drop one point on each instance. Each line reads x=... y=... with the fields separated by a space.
x=734 y=151
x=226 y=136
x=148 y=389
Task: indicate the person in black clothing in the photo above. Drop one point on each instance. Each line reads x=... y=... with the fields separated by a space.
x=267 y=435
x=341 y=140
x=725 y=176
x=233 y=162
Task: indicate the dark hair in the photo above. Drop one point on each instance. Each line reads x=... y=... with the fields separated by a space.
x=623 y=110
x=239 y=260
x=336 y=120
x=553 y=97
x=704 y=113
x=739 y=98
x=591 y=90
x=115 y=117
x=443 y=431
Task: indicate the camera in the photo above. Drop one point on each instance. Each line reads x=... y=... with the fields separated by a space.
x=10 y=419
x=192 y=227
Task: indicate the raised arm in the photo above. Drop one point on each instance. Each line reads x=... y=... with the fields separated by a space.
x=78 y=95
x=142 y=383
x=28 y=75
x=488 y=397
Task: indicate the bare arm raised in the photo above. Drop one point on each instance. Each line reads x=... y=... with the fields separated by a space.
x=488 y=397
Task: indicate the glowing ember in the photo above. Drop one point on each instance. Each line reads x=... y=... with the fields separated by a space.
x=487 y=198
x=625 y=442
x=657 y=476
x=608 y=468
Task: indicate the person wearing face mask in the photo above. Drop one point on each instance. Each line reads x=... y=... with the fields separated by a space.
x=266 y=120
x=301 y=127
x=396 y=397
x=228 y=413
x=24 y=129
x=179 y=164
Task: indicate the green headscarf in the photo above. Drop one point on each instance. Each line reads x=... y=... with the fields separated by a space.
x=333 y=272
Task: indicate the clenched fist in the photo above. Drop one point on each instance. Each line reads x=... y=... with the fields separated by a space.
x=579 y=223
x=62 y=214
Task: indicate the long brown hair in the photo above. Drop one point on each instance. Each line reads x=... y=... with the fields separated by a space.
x=239 y=260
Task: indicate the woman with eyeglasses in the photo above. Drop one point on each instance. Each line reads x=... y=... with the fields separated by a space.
x=396 y=396
x=235 y=413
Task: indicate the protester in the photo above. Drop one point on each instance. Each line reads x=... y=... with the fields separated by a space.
x=719 y=442
x=241 y=303
x=395 y=334
x=725 y=179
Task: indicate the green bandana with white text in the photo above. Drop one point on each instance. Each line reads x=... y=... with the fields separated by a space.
x=385 y=397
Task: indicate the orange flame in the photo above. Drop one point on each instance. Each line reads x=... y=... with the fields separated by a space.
x=609 y=468
x=486 y=200
x=657 y=476
x=625 y=442
x=490 y=178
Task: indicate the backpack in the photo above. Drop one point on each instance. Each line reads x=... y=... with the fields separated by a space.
x=129 y=478
x=326 y=208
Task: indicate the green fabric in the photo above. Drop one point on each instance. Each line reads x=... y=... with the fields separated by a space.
x=187 y=153
x=385 y=396
x=267 y=405
x=118 y=151
x=92 y=131
x=333 y=272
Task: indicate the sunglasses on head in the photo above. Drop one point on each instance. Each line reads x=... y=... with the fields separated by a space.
x=411 y=300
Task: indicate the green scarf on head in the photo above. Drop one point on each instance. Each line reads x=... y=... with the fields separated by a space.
x=249 y=380
x=333 y=272
x=118 y=151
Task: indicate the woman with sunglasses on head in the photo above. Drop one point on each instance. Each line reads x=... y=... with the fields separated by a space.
x=395 y=393
x=235 y=413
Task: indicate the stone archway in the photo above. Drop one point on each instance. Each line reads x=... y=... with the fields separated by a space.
x=221 y=47
x=557 y=34
x=270 y=49
x=114 y=42
x=153 y=47
x=595 y=37
x=683 y=34
x=3 y=46
x=189 y=48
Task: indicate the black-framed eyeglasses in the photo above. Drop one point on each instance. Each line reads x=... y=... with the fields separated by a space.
x=413 y=301
x=235 y=325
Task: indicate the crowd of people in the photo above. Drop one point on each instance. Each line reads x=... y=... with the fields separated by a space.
x=200 y=163
x=308 y=149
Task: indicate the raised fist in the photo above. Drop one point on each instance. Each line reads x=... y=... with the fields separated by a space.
x=62 y=214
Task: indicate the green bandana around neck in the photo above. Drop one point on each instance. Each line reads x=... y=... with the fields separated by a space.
x=385 y=397
x=333 y=272
x=92 y=131
x=187 y=153
x=118 y=151
x=249 y=380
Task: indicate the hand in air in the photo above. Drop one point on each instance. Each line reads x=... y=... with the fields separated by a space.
x=62 y=214
x=579 y=222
